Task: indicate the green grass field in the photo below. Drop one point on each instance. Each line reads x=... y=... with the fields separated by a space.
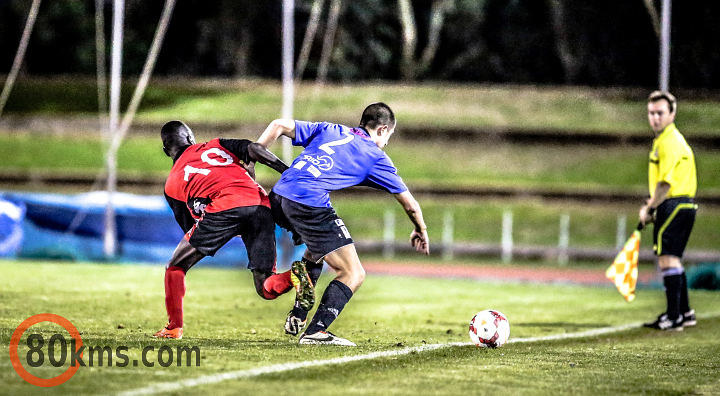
x=235 y=330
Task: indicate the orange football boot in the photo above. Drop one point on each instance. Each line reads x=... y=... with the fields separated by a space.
x=167 y=333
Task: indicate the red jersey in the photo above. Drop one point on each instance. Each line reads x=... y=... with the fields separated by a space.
x=210 y=177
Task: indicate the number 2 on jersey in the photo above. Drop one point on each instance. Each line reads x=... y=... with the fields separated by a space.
x=327 y=146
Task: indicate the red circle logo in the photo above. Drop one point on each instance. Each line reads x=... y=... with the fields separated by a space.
x=17 y=365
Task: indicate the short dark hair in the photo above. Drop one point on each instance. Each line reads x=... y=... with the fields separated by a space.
x=657 y=96
x=377 y=114
x=175 y=134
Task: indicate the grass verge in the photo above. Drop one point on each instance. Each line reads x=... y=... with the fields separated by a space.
x=450 y=165
x=536 y=222
x=432 y=105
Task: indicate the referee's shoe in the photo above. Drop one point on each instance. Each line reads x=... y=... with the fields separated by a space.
x=663 y=322
x=689 y=318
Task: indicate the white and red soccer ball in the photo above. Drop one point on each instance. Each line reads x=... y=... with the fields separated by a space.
x=489 y=329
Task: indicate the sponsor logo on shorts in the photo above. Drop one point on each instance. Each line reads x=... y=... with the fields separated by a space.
x=343 y=229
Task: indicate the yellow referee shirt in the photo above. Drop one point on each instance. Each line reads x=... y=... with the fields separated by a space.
x=672 y=161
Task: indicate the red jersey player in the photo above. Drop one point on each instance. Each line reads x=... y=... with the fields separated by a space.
x=214 y=197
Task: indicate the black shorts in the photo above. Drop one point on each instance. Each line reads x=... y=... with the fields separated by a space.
x=253 y=223
x=674 y=221
x=320 y=229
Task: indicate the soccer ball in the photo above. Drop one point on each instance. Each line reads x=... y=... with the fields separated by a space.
x=489 y=329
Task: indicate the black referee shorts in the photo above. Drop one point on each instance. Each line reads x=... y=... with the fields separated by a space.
x=320 y=229
x=674 y=221
x=253 y=223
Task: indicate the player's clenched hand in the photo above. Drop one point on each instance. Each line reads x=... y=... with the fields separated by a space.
x=420 y=241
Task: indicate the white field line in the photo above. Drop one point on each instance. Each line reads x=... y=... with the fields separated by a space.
x=278 y=368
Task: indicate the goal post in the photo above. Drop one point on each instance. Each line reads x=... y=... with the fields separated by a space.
x=119 y=129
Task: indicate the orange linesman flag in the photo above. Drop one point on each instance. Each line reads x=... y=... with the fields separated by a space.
x=624 y=271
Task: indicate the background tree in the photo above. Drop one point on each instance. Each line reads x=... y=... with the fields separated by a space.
x=411 y=67
x=307 y=43
x=568 y=58
x=589 y=42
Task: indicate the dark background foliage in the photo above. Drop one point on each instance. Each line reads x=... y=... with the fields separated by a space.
x=607 y=43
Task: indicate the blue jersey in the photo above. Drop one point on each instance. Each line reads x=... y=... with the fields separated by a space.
x=335 y=157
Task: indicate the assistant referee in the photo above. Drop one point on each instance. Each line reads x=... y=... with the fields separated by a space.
x=671 y=207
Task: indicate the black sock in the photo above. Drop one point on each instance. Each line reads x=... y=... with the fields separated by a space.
x=314 y=271
x=333 y=301
x=673 y=284
x=684 y=301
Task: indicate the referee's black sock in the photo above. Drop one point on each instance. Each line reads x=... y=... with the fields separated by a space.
x=672 y=278
x=333 y=301
x=684 y=301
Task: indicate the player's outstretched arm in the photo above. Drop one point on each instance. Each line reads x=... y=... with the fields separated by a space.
x=419 y=237
x=259 y=153
x=275 y=130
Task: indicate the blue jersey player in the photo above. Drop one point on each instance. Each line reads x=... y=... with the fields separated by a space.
x=334 y=157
